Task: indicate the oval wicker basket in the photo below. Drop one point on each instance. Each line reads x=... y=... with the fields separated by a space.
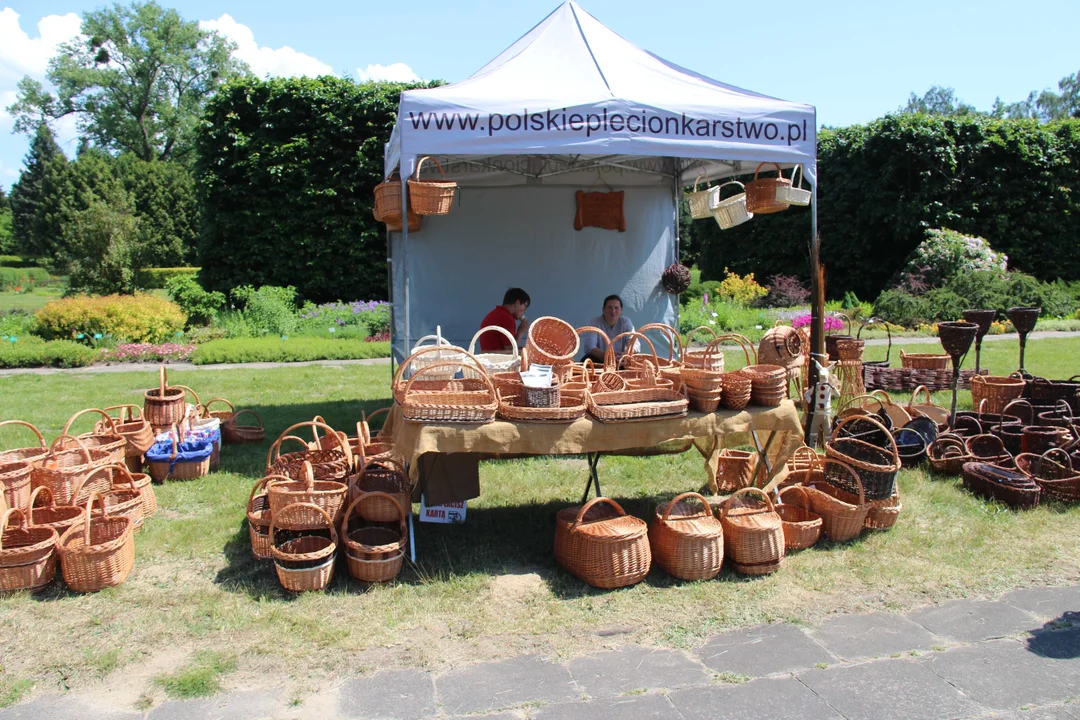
x=326 y=495
x=234 y=433
x=374 y=554
x=99 y=554
x=58 y=517
x=731 y=211
x=431 y=197
x=164 y=405
x=387 y=477
x=304 y=563
x=552 y=341
x=924 y=361
x=258 y=516
x=602 y=545
x=996 y=391
x=802 y=527
x=753 y=534
x=686 y=542
x=27 y=554
x=107 y=438
x=33 y=455
x=843 y=514
x=761 y=192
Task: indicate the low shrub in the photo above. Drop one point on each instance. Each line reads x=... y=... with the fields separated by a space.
x=147 y=352
x=698 y=289
x=35 y=352
x=944 y=304
x=832 y=322
x=333 y=332
x=270 y=310
x=17 y=261
x=742 y=289
x=22 y=279
x=136 y=318
x=201 y=306
x=723 y=316
x=786 y=291
x=158 y=278
x=944 y=254
x=16 y=322
x=273 y=349
x=200 y=335
x=901 y=308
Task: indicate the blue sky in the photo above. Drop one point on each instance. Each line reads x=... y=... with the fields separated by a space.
x=854 y=60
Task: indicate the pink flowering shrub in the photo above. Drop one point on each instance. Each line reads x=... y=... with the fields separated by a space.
x=147 y=352
x=832 y=323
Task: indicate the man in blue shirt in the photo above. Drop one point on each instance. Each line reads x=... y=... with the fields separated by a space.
x=613 y=323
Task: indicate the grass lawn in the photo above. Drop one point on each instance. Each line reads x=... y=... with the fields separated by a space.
x=30 y=302
x=198 y=613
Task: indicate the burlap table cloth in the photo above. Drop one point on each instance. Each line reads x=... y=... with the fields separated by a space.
x=708 y=432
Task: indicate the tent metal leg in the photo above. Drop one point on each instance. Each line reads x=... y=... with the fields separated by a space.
x=763 y=453
x=412 y=539
x=594 y=478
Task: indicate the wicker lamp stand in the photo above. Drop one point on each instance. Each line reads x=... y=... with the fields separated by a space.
x=956 y=338
x=982 y=318
x=1024 y=319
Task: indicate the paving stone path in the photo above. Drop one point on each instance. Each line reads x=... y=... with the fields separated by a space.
x=1015 y=658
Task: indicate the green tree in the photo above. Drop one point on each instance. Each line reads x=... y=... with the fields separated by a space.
x=167 y=208
x=102 y=242
x=938 y=101
x=136 y=79
x=1045 y=106
x=7 y=245
x=29 y=235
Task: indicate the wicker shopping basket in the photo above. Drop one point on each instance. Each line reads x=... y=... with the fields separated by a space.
x=164 y=405
x=733 y=210
x=753 y=532
x=877 y=466
x=258 y=517
x=698 y=200
x=431 y=197
x=793 y=195
x=178 y=460
x=234 y=433
x=385 y=476
x=303 y=562
x=802 y=526
x=49 y=514
x=329 y=463
x=843 y=514
x=735 y=469
x=374 y=553
x=326 y=495
x=64 y=470
x=948 y=454
x=33 y=455
x=131 y=424
x=15 y=483
x=602 y=545
x=27 y=553
x=387 y=207
x=996 y=391
x=1057 y=478
x=123 y=498
x=104 y=436
x=687 y=542
x=761 y=192
x=449 y=405
x=99 y=554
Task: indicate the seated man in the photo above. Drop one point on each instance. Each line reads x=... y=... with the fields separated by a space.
x=613 y=323
x=511 y=317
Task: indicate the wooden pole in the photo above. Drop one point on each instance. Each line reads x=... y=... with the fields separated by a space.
x=817 y=328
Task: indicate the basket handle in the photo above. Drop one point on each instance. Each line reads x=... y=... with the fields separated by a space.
x=802 y=492
x=806 y=450
x=421 y=163
x=1057 y=451
x=677 y=498
x=162 y=381
x=249 y=412
x=368 y=418
x=434 y=348
x=746 y=491
x=595 y=501
x=888 y=349
x=206 y=408
x=946 y=441
x=309 y=476
x=870 y=419
x=371 y=496
x=698 y=179
x=450 y=363
x=5 y=518
x=669 y=334
x=852 y=472
x=850 y=403
x=390 y=462
x=107 y=420
x=720 y=188
x=89 y=512
x=915 y=395
x=630 y=348
x=497 y=328
x=276 y=447
x=82 y=446
x=50 y=503
x=306 y=506
x=194 y=394
x=134 y=412
x=779 y=172
x=40 y=437
x=797 y=170
x=686 y=341
x=747 y=347
x=1023 y=403
x=261 y=482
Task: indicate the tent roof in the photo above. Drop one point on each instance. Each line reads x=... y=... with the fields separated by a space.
x=571 y=86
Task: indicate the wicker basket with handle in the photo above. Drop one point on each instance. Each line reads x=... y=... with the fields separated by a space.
x=58 y=517
x=449 y=405
x=843 y=514
x=705 y=359
x=131 y=424
x=27 y=553
x=552 y=341
x=996 y=391
x=373 y=553
x=924 y=361
x=167 y=463
x=104 y=437
x=948 y=454
x=64 y=470
x=329 y=463
x=234 y=433
x=687 y=542
x=793 y=195
x=761 y=192
x=33 y=455
x=493 y=362
x=163 y=405
x=386 y=476
x=731 y=211
x=439 y=369
x=431 y=197
x=15 y=483
x=123 y=498
x=735 y=469
x=387 y=207
x=753 y=532
x=99 y=554
x=602 y=545
x=802 y=526
x=258 y=517
x=698 y=200
x=306 y=562
x=327 y=495
x=877 y=467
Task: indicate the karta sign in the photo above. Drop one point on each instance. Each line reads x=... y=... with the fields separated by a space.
x=449 y=513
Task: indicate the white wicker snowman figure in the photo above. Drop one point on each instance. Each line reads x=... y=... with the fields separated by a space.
x=821 y=396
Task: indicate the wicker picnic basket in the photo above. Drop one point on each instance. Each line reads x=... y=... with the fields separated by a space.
x=843 y=514
x=876 y=466
x=100 y=553
x=948 y=454
x=735 y=469
x=1057 y=480
x=58 y=517
x=258 y=517
x=793 y=195
x=753 y=533
x=987 y=448
x=177 y=459
x=15 y=483
x=303 y=562
x=636 y=404
x=329 y=463
x=996 y=391
x=686 y=542
x=449 y=405
x=431 y=197
x=493 y=362
x=698 y=200
x=803 y=468
x=64 y=470
x=761 y=192
x=326 y=495
x=731 y=211
x=552 y=341
x=234 y=433
x=122 y=500
x=436 y=355
x=924 y=361
x=1010 y=487
x=164 y=405
x=802 y=526
x=602 y=545
x=374 y=554
x=27 y=553
x=386 y=476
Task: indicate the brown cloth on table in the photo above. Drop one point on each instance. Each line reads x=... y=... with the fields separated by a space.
x=710 y=432
x=448 y=477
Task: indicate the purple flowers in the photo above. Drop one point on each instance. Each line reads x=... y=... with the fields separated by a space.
x=146 y=352
x=832 y=322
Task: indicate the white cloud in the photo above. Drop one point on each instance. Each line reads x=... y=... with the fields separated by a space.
x=21 y=54
x=398 y=72
x=280 y=62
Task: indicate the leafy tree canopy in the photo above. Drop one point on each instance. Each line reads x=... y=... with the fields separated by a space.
x=136 y=79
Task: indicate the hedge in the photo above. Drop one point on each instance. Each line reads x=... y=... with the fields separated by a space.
x=35 y=352
x=11 y=277
x=155 y=278
x=884 y=184
x=136 y=318
x=272 y=349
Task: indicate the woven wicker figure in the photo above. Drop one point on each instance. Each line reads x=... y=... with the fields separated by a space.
x=821 y=397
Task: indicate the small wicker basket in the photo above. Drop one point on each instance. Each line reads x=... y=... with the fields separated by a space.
x=99 y=554
x=686 y=542
x=304 y=562
x=431 y=197
x=761 y=192
x=374 y=554
x=732 y=211
x=753 y=533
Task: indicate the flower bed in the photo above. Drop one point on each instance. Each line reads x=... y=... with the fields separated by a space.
x=147 y=352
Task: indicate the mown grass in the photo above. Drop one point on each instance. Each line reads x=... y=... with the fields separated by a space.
x=483 y=590
x=30 y=301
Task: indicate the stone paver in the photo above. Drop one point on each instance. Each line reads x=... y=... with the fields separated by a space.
x=1002 y=674
x=878 y=634
x=641 y=707
x=1046 y=603
x=1056 y=712
x=401 y=694
x=889 y=690
x=765 y=699
x=973 y=620
x=764 y=650
x=64 y=707
x=491 y=686
x=618 y=672
x=241 y=705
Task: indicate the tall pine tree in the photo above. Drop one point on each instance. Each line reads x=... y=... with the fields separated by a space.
x=30 y=236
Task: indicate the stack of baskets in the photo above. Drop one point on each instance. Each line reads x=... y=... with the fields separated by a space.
x=374 y=553
x=27 y=553
x=704 y=384
x=304 y=558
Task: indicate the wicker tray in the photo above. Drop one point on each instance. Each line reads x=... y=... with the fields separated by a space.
x=570 y=409
x=623 y=405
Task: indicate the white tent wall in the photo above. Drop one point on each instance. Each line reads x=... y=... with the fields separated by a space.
x=459 y=265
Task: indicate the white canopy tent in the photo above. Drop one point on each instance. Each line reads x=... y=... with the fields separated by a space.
x=569 y=106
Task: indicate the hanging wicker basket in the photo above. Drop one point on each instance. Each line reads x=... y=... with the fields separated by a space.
x=698 y=200
x=761 y=192
x=732 y=211
x=687 y=542
x=602 y=545
x=431 y=197
x=793 y=195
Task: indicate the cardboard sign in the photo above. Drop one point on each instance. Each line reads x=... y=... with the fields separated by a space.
x=449 y=513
